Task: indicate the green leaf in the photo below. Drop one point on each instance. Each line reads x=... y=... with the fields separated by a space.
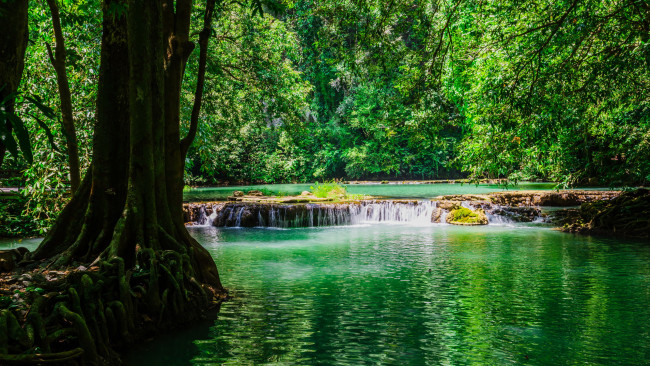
x=48 y=132
x=38 y=102
x=23 y=136
x=7 y=98
x=7 y=136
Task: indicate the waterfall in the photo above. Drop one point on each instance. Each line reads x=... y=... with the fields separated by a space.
x=412 y=212
x=443 y=216
x=328 y=214
x=415 y=212
x=498 y=219
x=204 y=218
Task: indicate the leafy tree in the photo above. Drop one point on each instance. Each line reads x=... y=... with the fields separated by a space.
x=547 y=89
x=119 y=208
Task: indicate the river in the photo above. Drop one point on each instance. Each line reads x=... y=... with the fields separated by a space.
x=385 y=190
x=398 y=294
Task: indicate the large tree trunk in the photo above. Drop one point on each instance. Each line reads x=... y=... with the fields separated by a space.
x=124 y=223
x=13 y=44
x=131 y=200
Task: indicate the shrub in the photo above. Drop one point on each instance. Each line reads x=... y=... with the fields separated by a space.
x=328 y=190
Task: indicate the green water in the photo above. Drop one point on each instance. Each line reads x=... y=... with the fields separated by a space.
x=387 y=190
x=11 y=243
x=428 y=295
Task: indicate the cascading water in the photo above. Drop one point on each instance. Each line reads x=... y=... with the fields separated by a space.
x=336 y=214
x=498 y=219
x=492 y=217
x=417 y=212
x=309 y=215
x=204 y=218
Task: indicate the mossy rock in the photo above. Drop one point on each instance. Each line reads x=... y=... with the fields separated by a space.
x=465 y=216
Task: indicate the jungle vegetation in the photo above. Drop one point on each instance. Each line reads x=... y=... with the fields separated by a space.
x=108 y=108
x=303 y=91
x=316 y=90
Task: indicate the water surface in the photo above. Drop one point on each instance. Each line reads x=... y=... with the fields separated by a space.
x=385 y=190
x=420 y=295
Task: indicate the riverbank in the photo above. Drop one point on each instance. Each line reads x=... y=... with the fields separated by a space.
x=90 y=313
x=625 y=215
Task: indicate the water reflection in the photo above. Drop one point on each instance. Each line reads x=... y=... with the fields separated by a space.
x=401 y=295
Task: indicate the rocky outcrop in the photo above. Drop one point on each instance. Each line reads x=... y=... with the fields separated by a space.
x=534 y=198
x=518 y=214
x=302 y=211
x=436 y=215
x=557 y=199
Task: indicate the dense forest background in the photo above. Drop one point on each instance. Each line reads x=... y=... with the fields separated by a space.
x=398 y=89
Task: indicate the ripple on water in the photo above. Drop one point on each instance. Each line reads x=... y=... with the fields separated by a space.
x=400 y=295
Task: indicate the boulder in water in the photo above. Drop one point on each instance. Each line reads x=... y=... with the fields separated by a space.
x=448 y=205
x=436 y=214
x=465 y=216
x=247 y=218
x=518 y=214
x=305 y=193
x=255 y=193
x=238 y=194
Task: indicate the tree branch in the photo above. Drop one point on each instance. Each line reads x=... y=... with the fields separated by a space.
x=59 y=63
x=204 y=37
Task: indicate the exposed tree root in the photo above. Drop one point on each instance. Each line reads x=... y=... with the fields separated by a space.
x=81 y=316
x=626 y=215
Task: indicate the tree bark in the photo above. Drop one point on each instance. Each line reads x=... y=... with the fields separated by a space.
x=124 y=204
x=176 y=32
x=13 y=44
x=85 y=226
x=58 y=60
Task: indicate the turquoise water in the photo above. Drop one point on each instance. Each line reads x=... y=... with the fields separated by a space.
x=419 y=295
x=11 y=243
x=387 y=190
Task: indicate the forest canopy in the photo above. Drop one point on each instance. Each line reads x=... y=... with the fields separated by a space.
x=314 y=90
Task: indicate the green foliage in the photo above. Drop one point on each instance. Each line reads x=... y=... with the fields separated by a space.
x=557 y=91
x=13 y=223
x=267 y=192
x=308 y=90
x=465 y=216
x=320 y=107
x=328 y=190
x=46 y=188
x=46 y=178
x=14 y=132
